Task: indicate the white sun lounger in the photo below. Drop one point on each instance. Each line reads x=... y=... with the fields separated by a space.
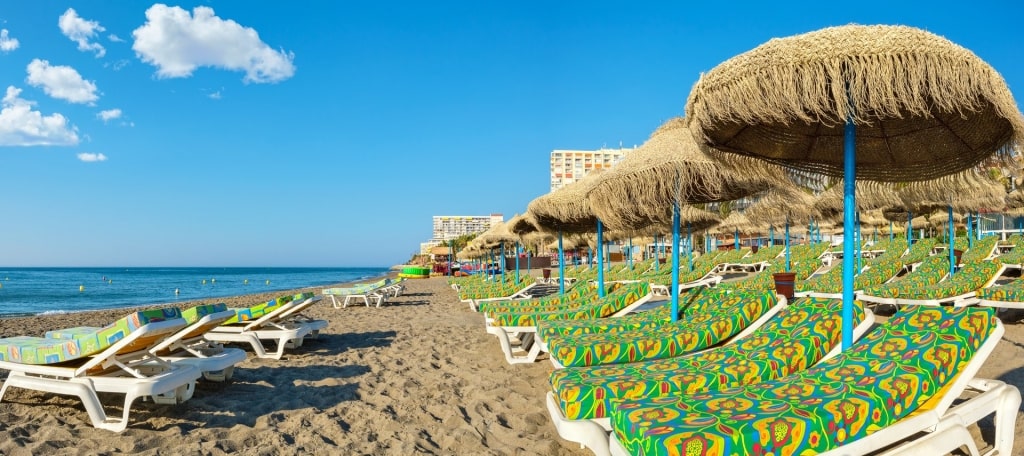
x=127 y=367
x=271 y=326
x=938 y=414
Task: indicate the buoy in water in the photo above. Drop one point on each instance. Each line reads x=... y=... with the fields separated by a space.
x=176 y=292
x=245 y=282
x=204 y=281
x=213 y=280
x=81 y=288
x=268 y=281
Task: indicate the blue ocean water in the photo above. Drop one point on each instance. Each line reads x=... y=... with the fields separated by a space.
x=33 y=291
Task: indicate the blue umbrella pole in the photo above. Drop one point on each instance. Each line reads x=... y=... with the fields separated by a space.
x=675 y=262
x=600 y=260
x=517 y=261
x=788 y=264
x=849 y=222
x=561 y=265
x=689 y=245
x=952 y=238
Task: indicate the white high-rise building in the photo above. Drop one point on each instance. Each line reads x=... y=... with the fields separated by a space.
x=568 y=166
x=452 y=226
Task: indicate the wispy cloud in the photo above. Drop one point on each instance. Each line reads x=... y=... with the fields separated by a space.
x=89 y=157
x=59 y=81
x=109 y=114
x=117 y=65
x=20 y=125
x=8 y=44
x=177 y=43
x=215 y=95
x=114 y=38
x=82 y=32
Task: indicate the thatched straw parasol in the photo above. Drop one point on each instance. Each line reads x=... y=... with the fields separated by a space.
x=670 y=169
x=870 y=196
x=895 y=103
x=777 y=207
x=923 y=106
x=967 y=191
x=523 y=224
x=498 y=234
x=732 y=223
x=567 y=209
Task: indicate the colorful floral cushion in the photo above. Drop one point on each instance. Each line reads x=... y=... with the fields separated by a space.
x=880 y=380
x=930 y=272
x=690 y=301
x=613 y=302
x=971 y=278
x=259 y=310
x=981 y=250
x=733 y=313
x=194 y=314
x=764 y=280
x=919 y=251
x=798 y=337
x=1011 y=292
x=585 y=295
x=578 y=290
x=72 y=343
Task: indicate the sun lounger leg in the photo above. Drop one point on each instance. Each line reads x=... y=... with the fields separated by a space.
x=88 y=396
x=998 y=396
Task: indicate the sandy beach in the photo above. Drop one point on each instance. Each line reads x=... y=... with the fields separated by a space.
x=419 y=375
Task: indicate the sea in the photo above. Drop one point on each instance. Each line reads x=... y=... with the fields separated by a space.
x=40 y=291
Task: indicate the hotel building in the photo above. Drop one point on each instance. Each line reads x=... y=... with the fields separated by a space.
x=568 y=166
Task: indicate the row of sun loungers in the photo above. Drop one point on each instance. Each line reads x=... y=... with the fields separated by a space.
x=157 y=354
x=743 y=371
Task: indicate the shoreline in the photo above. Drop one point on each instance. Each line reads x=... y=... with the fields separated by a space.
x=228 y=299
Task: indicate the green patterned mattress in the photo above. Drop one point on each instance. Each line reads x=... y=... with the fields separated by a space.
x=798 y=337
x=613 y=302
x=716 y=324
x=880 y=380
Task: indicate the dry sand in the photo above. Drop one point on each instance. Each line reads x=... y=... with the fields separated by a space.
x=417 y=376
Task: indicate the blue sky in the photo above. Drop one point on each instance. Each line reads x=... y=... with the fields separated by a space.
x=268 y=134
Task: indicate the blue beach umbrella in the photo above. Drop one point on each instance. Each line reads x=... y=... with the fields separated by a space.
x=907 y=92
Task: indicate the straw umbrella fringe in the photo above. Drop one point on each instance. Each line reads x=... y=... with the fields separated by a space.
x=897 y=84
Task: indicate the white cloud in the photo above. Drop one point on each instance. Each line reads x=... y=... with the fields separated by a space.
x=114 y=38
x=61 y=82
x=215 y=95
x=81 y=31
x=118 y=65
x=90 y=157
x=21 y=126
x=8 y=44
x=177 y=43
x=109 y=114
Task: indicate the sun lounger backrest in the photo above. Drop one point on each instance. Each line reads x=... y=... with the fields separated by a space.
x=74 y=343
x=259 y=310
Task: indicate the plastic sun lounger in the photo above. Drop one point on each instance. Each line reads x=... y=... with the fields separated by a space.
x=745 y=359
x=1008 y=296
x=886 y=401
x=190 y=346
x=735 y=316
x=271 y=326
x=960 y=290
x=620 y=302
x=116 y=359
x=377 y=292
x=187 y=345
